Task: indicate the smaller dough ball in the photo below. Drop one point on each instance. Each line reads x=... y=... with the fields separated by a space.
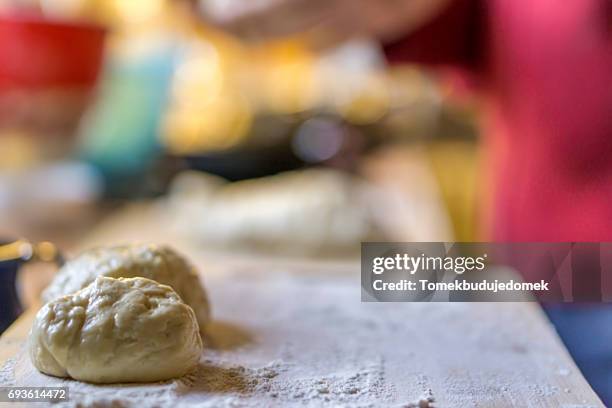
x=156 y=262
x=116 y=330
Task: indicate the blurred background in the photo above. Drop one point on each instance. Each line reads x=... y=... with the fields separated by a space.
x=103 y=103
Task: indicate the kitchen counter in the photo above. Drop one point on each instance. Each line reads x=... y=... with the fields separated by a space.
x=294 y=332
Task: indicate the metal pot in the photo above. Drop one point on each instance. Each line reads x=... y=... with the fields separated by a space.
x=13 y=254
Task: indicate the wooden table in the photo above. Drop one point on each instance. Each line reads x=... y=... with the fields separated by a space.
x=294 y=332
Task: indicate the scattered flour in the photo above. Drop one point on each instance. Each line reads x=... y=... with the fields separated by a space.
x=7 y=373
x=426 y=400
x=220 y=384
x=310 y=342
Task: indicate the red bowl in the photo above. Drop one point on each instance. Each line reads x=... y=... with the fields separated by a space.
x=38 y=54
x=48 y=70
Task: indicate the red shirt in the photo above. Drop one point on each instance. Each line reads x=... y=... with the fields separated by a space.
x=546 y=69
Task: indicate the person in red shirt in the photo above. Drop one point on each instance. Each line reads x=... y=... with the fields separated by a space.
x=544 y=70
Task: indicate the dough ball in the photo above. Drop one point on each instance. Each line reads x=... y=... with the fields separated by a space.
x=312 y=212
x=155 y=262
x=116 y=330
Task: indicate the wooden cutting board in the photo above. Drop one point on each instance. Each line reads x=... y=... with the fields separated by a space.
x=294 y=332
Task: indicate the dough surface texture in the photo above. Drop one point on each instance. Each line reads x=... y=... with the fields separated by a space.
x=116 y=330
x=156 y=262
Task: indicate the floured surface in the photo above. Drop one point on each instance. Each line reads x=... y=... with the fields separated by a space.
x=284 y=339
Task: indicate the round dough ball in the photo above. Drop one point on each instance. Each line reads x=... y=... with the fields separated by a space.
x=155 y=262
x=116 y=330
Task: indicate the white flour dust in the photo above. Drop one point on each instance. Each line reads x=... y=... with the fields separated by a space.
x=280 y=340
x=7 y=373
x=218 y=384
